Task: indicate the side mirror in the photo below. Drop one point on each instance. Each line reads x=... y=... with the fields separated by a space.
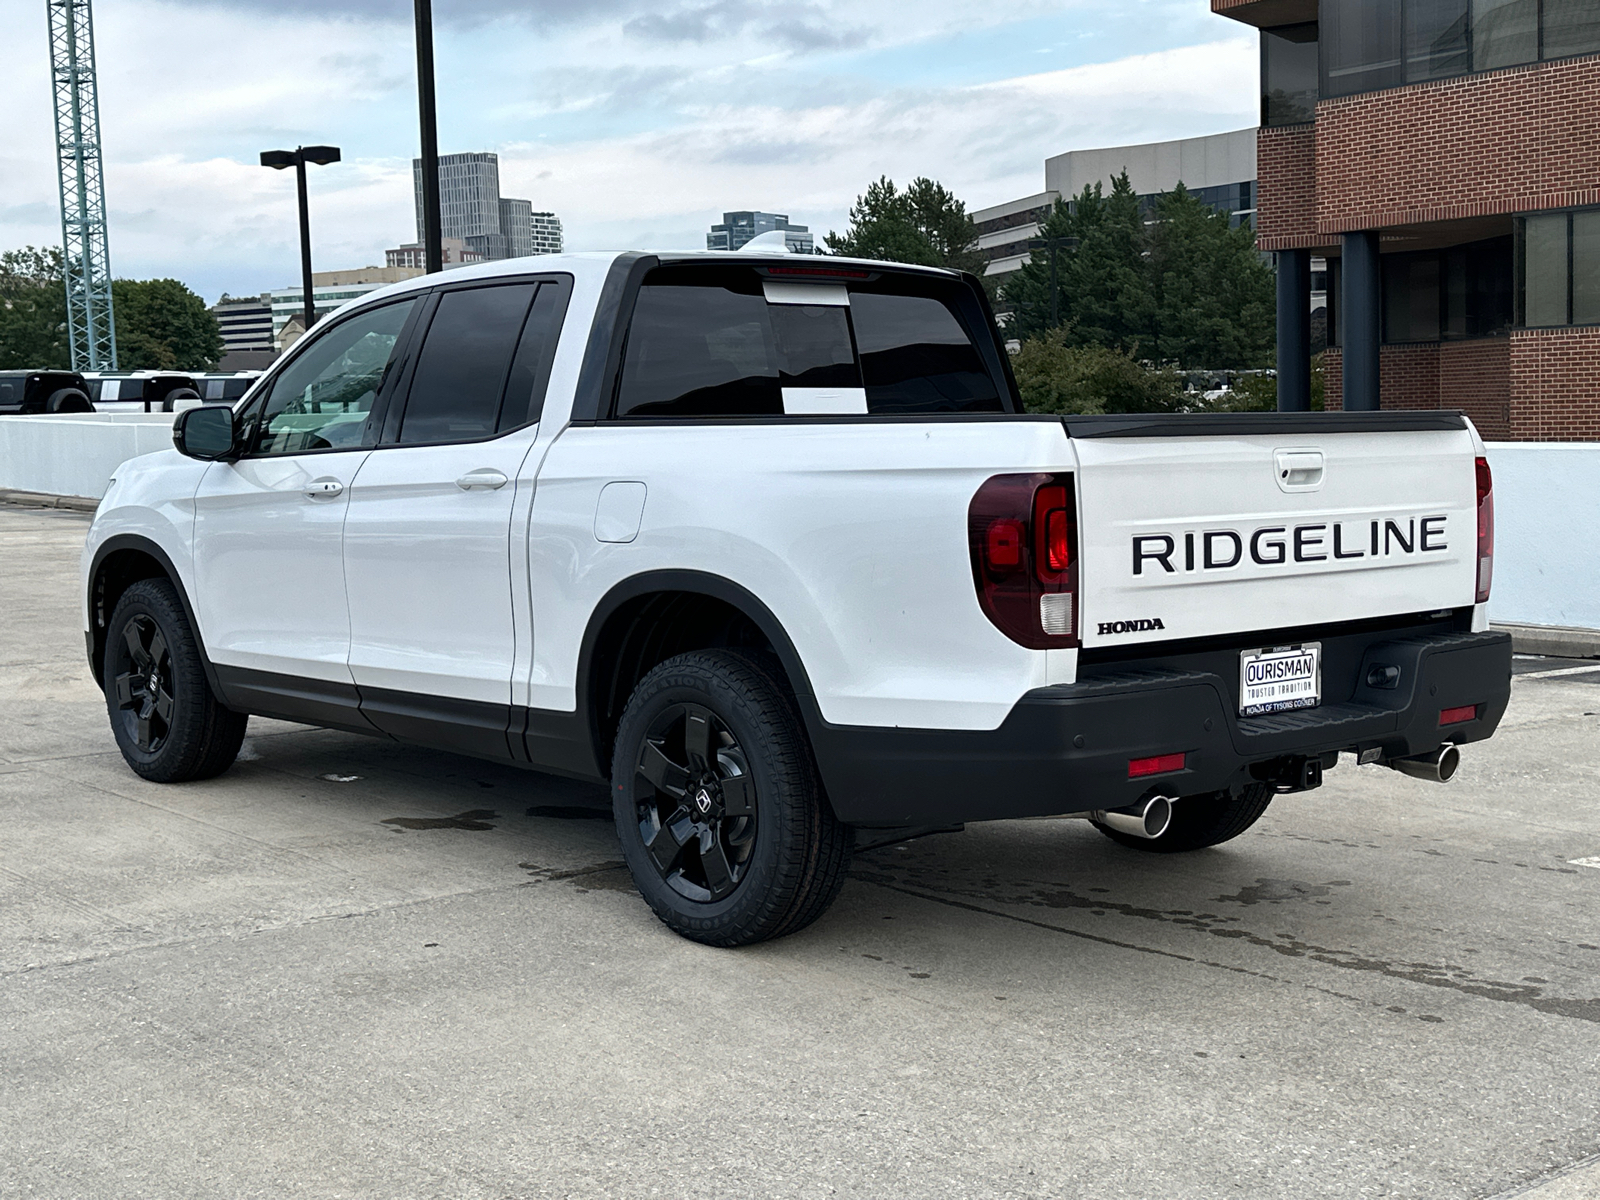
x=206 y=433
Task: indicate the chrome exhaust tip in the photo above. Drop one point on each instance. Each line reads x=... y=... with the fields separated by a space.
x=1147 y=819
x=1437 y=767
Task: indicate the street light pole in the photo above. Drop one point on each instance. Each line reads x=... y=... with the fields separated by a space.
x=432 y=234
x=297 y=158
x=305 y=242
x=1053 y=243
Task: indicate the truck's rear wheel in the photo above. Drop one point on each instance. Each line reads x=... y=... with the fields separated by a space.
x=1201 y=821
x=718 y=806
x=168 y=724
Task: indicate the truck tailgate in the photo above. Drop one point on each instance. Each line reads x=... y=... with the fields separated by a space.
x=1201 y=527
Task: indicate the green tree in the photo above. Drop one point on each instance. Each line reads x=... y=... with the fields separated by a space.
x=33 y=310
x=1055 y=376
x=1102 y=294
x=162 y=325
x=925 y=225
x=1214 y=301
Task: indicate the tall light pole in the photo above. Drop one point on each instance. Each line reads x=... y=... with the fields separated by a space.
x=298 y=158
x=1052 y=243
x=432 y=233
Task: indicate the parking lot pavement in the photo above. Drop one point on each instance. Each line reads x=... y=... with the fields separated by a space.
x=350 y=969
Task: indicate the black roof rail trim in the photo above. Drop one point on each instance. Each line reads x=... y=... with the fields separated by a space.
x=1306 y=424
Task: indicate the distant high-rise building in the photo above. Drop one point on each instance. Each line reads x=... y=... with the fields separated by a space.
x=471 y=208
x=547 y=236
x=737 y=228
x=245 y=322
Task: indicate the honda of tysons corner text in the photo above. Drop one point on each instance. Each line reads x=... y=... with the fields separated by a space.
x=766 y=544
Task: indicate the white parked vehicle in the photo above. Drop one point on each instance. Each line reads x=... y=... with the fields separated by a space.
x=766 y=543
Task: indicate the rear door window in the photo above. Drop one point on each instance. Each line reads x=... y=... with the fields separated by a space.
x=466 y=359
x=726 y=341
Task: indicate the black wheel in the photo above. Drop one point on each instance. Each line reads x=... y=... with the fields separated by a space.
x=168 y=724
x=719 y=809
x=177 y=394
x=1201 y=821
x=68 y=400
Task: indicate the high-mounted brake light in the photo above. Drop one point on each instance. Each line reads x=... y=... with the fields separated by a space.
x=1023 y=531
x=825 y=272
x=1485 y=530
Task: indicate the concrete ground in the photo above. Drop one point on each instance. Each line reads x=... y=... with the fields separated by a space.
x=349 y=969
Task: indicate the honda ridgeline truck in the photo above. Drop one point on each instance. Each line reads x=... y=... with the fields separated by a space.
x=767 y=544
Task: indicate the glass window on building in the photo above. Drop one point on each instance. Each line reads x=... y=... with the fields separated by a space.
x=1361 y=50
x=1504 y=33
x=1438 y=39
x=1544 y=269
x=1289 y=74
x=1571 y=27
x=1411 y=297
x=1586 y=268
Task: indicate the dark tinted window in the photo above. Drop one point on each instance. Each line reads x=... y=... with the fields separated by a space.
x=536 y=350
x=1361 y=49
x=916 y=356
x=707 y=342
x=1288 y=75
x=1438 y=39
x=466 y=358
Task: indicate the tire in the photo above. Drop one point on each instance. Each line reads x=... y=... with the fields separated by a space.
x=168 y=723
x=721 y=863
x=176 y=394
x=68 y=400
x=1201 y=821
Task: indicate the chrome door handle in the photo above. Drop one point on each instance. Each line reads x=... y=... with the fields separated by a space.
x=483 y=477
x=324 y=489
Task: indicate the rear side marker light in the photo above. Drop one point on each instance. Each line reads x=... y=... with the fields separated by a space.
x=1454 y=716
x=1160 y=764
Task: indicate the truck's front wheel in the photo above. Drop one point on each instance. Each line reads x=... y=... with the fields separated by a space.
x=1201 y=821
x=719 y=809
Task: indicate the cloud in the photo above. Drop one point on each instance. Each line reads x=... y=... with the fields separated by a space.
x=788 y=26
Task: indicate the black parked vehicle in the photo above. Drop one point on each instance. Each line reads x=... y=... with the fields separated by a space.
x=43 y=392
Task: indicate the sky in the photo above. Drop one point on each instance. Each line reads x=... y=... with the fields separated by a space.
x=638 y=122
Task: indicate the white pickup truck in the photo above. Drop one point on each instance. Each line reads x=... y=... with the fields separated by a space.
x=766 y=543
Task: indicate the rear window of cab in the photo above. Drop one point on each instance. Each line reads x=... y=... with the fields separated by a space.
x=730 y=341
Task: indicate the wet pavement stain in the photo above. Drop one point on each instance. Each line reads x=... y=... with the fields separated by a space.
x=569 y=812
x=609 y=876
x=1054 y=896
x=477 y=821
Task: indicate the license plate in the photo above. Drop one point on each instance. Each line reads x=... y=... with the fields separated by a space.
x=1279 y=678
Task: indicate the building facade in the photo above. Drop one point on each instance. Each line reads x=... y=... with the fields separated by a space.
x=472 y=210
x=329 y=290
x=1219 y=169
x=1444 y=156
x=246 y=324
x=738 y=228
x=414 y=257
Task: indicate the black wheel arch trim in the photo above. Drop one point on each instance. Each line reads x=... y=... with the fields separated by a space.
x=95 y=635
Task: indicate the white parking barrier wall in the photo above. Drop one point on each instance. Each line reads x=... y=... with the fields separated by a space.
x=1547 y=533
x=75 y=454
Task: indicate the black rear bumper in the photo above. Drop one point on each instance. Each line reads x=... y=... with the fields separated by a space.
x=1066 y=748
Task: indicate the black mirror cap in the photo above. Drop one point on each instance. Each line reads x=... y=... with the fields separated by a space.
x=207 y=433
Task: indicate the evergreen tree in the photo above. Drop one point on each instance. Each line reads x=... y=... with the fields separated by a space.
x=1215 y=306
x=925 y=225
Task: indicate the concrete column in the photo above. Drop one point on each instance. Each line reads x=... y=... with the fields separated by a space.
x=1294 y=330
x=1359 y=326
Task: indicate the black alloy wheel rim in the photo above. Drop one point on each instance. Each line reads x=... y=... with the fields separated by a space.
x=144 y=684
x=696 y=803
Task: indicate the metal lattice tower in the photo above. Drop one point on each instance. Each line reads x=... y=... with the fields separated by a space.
x=87 y=257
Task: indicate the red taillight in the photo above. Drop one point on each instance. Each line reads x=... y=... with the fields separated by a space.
x=1454 y=716
x=1003 y=546
x=1160 y=764
x=1023 y=531
x=1485 y=530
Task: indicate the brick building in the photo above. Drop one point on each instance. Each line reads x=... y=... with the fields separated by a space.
x=1445 y=156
